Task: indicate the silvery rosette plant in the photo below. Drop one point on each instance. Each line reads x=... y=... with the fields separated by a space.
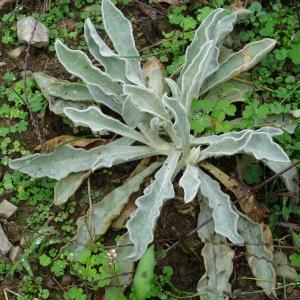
x=152 y=121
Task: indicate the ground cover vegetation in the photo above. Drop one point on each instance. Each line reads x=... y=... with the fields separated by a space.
x=260 y=216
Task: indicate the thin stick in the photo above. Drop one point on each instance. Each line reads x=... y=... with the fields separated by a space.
x=188 y=235
x=261 y=185
x=60 y=286
x=34 y=121
x=90 y=200
x=10 y=291
x=288 y=225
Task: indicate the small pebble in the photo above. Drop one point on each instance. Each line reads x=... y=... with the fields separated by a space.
x=5 y=244
x=7 y=209
x=15 y=53
x=33 y=32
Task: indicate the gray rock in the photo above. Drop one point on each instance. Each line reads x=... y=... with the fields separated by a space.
x=5 y=244
x=15 y=53
x=33 y=32
x=7 y=209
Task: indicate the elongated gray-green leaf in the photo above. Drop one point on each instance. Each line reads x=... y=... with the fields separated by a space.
x=190 y=182
x=156 y=81
x=224 y=216
x=98 y=219
x=57 y=106
x=239 y=62
x=57 y=164
x=142 y=222
x=174 y=88
x=259 y=257
x=62 y=161
x=78 y=63
x=226 y=24
x=114 y=65
x=203 y=34
x=217 y=255
x=154 y=139
x=100 y=97
x=208 y=140
x=202 y=66
x=118 y=154
x=67 y=186
x=98 y=121
x=131 y=114
x=146 y=101
x=181 y=125
x=123 y=41
x=258 y=144
x=62 y=89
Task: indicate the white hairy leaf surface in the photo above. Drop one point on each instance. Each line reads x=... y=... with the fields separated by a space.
x=225 y=25
x=98 y=121
x=258 y=144
x=208 y=140
x=84 y=69
x=239 y=62
x=67 y=186
x=181 y=124
x=100 y=97
x=142 y=222
x=203 y=65
x=153 y=137
x=224 y=216
x=131 y=114
x=57 y=106
x=59 y=163
x=117 y=154
x=114 y=65
x=190 y=182
x=146 y=101
x=119 y=30
x=63 y=160
x=203 y=34
x=61 y=88
x=174 y=88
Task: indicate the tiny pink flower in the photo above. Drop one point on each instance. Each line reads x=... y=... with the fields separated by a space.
x=112 y=254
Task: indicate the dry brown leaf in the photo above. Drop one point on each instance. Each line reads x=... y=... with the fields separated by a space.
x=150 y=64
x=237 y=4
x=246 y=198
x=268 y=238
x=70 y=140
x=129 y=208
x=171 y=2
